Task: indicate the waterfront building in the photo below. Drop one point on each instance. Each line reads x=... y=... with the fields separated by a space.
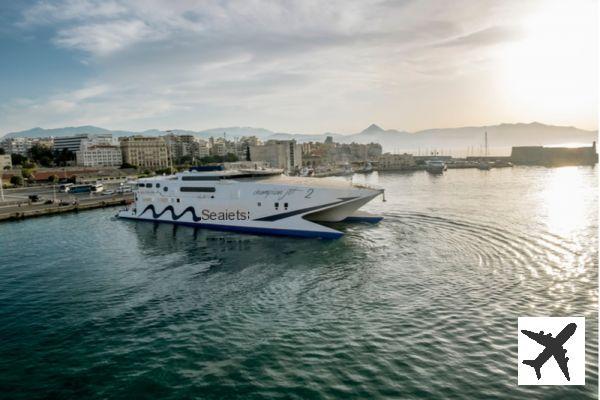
x=181 y=146
x=242 y=146
x=199 y=149
x=389 y=161
x=221 y=147
x=145 y=152
x=5 y=162
x=218 y=148
x=285 y=154
x=316 y=154
x=99 y=155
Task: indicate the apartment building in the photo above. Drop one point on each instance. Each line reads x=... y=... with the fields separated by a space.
x=145 y=152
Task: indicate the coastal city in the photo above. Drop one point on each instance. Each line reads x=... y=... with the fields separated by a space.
x=47 y=175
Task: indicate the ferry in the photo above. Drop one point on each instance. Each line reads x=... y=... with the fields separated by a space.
x=251 y=201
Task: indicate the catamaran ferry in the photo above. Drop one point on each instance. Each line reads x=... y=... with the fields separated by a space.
x=252 y=201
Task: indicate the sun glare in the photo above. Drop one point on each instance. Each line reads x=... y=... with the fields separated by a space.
x=564 y=201
x=552 y=72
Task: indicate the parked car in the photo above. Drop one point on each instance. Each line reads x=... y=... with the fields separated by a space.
x=109 y=192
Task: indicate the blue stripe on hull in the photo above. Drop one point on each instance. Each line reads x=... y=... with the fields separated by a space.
x=248 y=229
x=372 y=220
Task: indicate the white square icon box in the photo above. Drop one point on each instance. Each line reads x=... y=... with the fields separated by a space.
x=551 y=350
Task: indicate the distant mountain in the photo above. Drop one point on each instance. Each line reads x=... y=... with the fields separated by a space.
x=67 y=131
x=472 y=139
x=459 y=141
x=231 y=132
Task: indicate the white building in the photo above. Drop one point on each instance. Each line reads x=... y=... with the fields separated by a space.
x=19 y=145
x=200 y=149
x=75 y=143
x=99 y=155
x=286 y=154
x=5 y=162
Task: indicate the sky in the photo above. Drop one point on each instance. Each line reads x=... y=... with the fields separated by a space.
x=297 y=66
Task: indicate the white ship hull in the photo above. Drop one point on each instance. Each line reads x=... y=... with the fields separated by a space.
x=279 y=206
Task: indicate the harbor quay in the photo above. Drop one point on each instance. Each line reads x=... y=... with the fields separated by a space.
x=16 y=209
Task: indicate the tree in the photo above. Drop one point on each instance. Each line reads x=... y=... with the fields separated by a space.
x=230 y=157
x=27 y=173
x=16 y=180
x=61 y=158
x=17 y=159
x=2 y=151
x=42 y=155
x=127 y=166
x=209 y=159
x=184 y=160
x=167 y=171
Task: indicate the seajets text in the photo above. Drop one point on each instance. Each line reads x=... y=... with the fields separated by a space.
x=225 y=215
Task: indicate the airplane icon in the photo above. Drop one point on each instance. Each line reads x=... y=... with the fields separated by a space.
x=553 y=348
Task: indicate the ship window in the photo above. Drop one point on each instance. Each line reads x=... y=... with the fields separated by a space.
x=285 y=205
x=148 y=185
x=259 y=204
x=197 y=189
x=165 y=188
x=276 y=206
x=178 y=200
x=158 y=185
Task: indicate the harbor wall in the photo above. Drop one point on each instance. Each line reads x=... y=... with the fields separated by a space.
x=554 y=156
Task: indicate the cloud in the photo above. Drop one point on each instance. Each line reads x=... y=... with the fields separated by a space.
x=290 y=65
x=49 y=12
x=485 y=37
x=105 y=38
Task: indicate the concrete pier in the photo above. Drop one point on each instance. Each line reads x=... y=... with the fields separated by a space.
x=13 y=212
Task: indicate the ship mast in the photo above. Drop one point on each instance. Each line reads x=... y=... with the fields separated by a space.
x=486 y=144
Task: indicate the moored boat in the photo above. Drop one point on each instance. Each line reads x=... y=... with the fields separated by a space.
x=435 y=166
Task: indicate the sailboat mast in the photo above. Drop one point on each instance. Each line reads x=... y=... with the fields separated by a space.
x=486 y=144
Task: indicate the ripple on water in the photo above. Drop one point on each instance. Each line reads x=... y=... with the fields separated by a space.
x=423 y=304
